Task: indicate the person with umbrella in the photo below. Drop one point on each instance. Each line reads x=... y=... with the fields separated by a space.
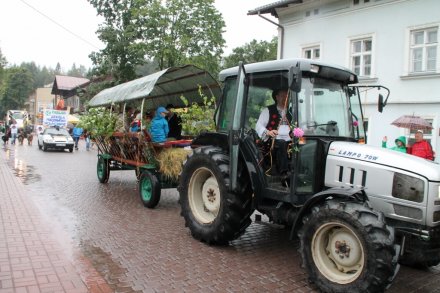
x=421 y=148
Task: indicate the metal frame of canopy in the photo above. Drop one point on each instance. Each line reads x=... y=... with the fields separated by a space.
x=162 y=88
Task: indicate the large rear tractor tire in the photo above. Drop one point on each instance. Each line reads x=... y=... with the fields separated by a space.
x=212 y=213
x=103 y=170
x=347 y=247
x=149 y=189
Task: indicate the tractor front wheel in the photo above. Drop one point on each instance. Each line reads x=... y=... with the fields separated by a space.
x=347 y=247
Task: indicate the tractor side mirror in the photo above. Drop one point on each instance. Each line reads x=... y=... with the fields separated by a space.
x=380 y=103
x=295 y=78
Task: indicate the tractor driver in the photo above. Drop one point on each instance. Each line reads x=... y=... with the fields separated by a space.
x=273 y=127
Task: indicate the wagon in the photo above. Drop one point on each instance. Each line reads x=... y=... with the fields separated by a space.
x=123 y=150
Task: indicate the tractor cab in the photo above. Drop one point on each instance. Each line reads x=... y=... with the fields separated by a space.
x=322 y=107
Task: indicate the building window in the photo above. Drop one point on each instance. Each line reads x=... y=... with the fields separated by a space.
x=423 y=50
x=312 y=53
x=361 y=51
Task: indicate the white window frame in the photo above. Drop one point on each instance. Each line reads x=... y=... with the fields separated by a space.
x=362 y=54
x=409 y=64
x=312 y=48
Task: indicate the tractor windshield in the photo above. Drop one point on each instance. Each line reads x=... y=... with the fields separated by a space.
x=323 y=107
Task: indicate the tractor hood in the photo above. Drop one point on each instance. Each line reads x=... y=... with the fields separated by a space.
x=386 y=157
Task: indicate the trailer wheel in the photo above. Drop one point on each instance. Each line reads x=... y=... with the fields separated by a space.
x=103 y=170
x=149 y=189
x=347 y=247
x=211 y=212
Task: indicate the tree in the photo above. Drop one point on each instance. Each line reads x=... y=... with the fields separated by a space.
x=3 y=63
x=252 y=52
x=183 y=31
x=17 y=85
x=168 y=32
x=80 y=71
x=121 y=33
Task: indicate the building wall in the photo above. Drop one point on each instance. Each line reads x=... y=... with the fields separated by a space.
x=43 y=100
x=331 y=25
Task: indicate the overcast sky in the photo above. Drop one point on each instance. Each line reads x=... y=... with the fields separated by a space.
x=51 y=31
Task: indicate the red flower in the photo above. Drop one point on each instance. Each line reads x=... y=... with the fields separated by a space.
x=272 y=123
x=269 y=128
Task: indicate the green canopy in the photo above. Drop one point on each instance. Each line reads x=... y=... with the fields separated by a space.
x=162 y=88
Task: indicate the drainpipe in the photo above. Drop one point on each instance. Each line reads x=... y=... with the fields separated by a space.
x=282 y=33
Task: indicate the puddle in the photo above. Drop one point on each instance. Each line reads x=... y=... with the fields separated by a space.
x=110 y=271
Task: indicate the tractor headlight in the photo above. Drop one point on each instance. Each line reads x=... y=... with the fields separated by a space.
x=408 y=187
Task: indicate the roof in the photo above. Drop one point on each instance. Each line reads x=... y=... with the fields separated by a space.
x=327 y=70
x=271 y=8
x=162 y=88
x=67 y=83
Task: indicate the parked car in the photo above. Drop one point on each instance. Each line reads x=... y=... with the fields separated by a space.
x=55 y=138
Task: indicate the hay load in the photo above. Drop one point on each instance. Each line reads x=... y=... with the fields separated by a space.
x=171 y=160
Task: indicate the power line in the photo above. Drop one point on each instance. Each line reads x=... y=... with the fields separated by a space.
x=60 y=25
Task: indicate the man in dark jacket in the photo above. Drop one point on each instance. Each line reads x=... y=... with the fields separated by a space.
x=174 y=123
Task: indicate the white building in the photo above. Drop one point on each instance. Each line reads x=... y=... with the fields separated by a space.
x=388 y=42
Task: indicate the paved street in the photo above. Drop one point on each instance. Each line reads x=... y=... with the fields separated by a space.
x=106 y=241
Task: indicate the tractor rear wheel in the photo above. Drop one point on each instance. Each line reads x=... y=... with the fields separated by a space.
x=347 y=247
x=211 y=212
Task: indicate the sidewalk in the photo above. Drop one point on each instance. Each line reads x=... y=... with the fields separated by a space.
x=31 y=259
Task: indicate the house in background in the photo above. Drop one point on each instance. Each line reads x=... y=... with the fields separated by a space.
x=394 y=43
x=65 y=89
x=40 y=99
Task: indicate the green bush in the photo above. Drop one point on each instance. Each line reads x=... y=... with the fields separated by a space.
x=99 y=121
x=198 y=118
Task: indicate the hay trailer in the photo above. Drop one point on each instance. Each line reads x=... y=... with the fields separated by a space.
x=123 y=150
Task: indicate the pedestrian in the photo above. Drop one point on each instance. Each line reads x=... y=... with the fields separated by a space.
x=174 y=123
x=14 y=131
x=87 y=139
x=421 y=148
x=76 y=134
x=159 y=126
x=400 y=144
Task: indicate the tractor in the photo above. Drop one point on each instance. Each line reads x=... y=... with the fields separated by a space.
x=356 y=209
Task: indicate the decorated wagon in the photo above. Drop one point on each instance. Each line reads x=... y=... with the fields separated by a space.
x=156 y=165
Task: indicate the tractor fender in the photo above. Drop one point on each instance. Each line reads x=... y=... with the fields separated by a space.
x=213 y=139
x=351 y=193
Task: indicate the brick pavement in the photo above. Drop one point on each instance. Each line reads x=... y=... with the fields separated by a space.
x=31 y=257
x=134 y=249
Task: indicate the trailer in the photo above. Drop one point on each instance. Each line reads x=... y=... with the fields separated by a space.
x=124 y=150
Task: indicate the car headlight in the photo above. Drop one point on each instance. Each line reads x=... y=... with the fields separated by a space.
x=47 y=139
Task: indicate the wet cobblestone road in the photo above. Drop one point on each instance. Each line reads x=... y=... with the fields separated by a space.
x=135 y=249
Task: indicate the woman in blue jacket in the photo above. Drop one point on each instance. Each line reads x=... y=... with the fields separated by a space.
x=159 y=126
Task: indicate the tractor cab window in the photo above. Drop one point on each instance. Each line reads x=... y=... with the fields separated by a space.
x=259 y=96
x=323 y=108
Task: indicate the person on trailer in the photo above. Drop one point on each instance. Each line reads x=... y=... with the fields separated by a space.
x=174 y=123
x=159 y=126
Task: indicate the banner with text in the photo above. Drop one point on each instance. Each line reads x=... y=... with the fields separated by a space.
x=55 y=118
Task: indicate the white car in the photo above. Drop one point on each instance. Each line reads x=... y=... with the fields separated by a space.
x=55 y=138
